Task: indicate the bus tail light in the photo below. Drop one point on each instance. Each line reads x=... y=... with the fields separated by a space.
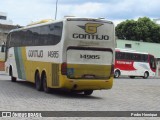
x=64 y=68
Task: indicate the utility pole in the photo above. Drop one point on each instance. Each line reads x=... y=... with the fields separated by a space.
x=56 y=9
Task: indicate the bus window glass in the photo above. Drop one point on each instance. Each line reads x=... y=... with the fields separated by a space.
x=138 y=57
x=144 y=58
x=117 y=55
x=38 y=36
x=120 y=55
x=133 y=56
x=127 y=56
x=152 y=62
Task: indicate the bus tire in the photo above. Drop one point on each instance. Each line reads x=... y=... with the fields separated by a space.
x=88 y=92
x=38 y=82
x=146 y=75
x=13 y=79
x=117 y=74
x=44 y=81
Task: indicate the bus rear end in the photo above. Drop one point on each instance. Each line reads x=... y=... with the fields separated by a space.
x=88 y=54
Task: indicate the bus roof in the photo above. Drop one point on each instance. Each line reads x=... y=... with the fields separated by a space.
x=87 y=19
x=42 y=22
x=129 y=51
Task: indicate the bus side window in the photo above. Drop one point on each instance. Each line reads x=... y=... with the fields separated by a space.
x=133 y=56
x=138 y=58
x=127 y=56
x=144 y=58
x=120 y=55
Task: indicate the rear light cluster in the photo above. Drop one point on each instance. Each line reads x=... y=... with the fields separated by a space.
x=64 y=68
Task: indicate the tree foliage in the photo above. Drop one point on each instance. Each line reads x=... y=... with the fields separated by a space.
x=141 y=30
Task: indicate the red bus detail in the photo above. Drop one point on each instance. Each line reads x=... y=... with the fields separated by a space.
x=134 y=64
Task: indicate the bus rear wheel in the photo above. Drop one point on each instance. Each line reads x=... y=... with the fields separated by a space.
x=146 y=75
x=38 y=82
x=45 y=87
x=88 y=92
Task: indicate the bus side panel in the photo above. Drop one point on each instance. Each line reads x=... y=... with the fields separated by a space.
x=33 y=66
x=20 y=58
x=11 y=62
x=26 y=68
x=51 y=70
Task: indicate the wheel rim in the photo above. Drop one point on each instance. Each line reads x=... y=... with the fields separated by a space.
x=145 y=74
x=116 y=74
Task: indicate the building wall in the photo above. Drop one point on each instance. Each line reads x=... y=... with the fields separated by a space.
x=4 y=30
x=151 y=48
x=2 y=38
x=5 y=27
x=4 y=19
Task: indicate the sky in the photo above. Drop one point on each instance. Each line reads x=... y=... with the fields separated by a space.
x=23 y=12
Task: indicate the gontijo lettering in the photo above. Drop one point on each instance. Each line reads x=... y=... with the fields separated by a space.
x=89 y=36
x=35 y=53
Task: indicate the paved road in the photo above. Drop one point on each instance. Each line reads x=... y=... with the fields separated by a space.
x=126 y=95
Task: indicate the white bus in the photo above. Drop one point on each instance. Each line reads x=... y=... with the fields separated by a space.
x=75 y=54
x=134 y=64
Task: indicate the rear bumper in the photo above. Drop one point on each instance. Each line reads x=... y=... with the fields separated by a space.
x=85 y=84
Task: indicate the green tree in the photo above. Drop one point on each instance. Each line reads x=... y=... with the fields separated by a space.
x=142 y=29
